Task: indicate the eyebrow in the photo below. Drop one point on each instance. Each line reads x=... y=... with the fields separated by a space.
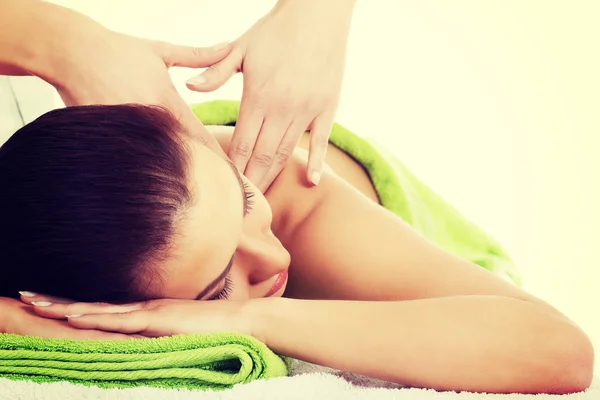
x=223 y=274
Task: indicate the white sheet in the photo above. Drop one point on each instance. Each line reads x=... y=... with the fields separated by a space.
x=313 y=385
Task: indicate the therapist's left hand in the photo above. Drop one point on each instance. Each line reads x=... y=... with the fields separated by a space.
x=293 y=63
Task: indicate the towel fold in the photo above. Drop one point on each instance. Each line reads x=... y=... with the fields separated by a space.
x=208 y=361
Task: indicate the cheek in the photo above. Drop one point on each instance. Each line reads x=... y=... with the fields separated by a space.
x=241 y=284
x=261 y=215
x=265 y=210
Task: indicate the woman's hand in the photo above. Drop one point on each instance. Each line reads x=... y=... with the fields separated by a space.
x=20 y=319
x=89 y=64
x=123 y=69
x=151 y=318
x=293 y=62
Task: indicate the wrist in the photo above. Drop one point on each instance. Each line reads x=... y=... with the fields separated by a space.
x=339 y=9
x=258 y=315
x=7 y=312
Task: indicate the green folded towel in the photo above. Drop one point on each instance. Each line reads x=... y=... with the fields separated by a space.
x=210 y=361
x=402 y=193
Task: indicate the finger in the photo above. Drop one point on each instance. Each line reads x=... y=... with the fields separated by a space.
x=263 y=155
x=65 y=331
x=75 y=334
x=217 y=74
x=245 y=133
x=195 y=128
x=29 y=297
x=319 y=139
x=132 y=322
x=192 y=57
x=283 y=153
x=61 y=311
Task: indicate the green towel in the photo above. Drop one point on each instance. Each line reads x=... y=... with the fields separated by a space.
x=210 y=361
x=402 y=193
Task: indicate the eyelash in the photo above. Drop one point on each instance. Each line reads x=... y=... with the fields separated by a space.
x=228 y=287
x=226 y=292
x=249 y=194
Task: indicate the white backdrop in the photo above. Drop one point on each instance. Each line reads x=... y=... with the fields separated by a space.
x=493 y=104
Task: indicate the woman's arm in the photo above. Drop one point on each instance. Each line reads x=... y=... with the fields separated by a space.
x=462 y=343
x=475 y=343
x=460 y=327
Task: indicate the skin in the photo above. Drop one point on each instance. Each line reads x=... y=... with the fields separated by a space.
x=89 y=64
x=378 y=279
x=282 y=97
x=283 y=93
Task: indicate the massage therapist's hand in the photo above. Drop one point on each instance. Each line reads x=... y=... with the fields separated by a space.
x=118 y=68
x=293 y=62
x=89 y=64
x=153 y=318
x=19 y=318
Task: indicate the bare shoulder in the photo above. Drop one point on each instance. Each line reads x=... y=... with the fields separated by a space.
x=291 y=196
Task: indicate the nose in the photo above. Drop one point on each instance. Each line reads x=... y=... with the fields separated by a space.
x=262 y=256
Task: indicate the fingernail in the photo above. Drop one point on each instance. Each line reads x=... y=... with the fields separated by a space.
x=73 y=315
x=220 y=46
x=198 y=80
x=41 y=303
x=28 y=294
x=315 y=177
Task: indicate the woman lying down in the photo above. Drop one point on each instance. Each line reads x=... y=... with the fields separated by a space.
x=117 y=204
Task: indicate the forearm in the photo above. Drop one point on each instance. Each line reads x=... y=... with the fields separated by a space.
x=474 y=343
x=336 y=13
x=40 y=38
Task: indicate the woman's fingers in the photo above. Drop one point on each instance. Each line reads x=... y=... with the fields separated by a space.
x=319 y=138
x=265 y=154
x=191 y=57
x=128 y=322
x=245 y=133
x=194 y=126
x=283 y=152
x=51 y=310
x=217 y=74
x=76 y=334
x=29 y=297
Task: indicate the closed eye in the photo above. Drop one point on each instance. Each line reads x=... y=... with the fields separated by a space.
x=248 y=195
x=225 y=293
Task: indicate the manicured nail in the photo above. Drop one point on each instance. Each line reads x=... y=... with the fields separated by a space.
x=41 y=303
x=28 y=294
x=315 y=177
x=73 y=315
x=220 y=46
x=197 y=81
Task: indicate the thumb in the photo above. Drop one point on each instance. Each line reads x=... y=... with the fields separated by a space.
x=199 y=131
x=217 y=74
x=192 y=57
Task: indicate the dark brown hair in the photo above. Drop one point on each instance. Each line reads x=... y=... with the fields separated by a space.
x=90 y=198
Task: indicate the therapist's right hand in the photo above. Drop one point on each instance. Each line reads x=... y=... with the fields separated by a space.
x=114 y=68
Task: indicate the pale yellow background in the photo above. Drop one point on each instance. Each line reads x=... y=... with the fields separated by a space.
x=494 y=104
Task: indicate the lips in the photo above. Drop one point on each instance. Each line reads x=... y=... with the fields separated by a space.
x=279 y=282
